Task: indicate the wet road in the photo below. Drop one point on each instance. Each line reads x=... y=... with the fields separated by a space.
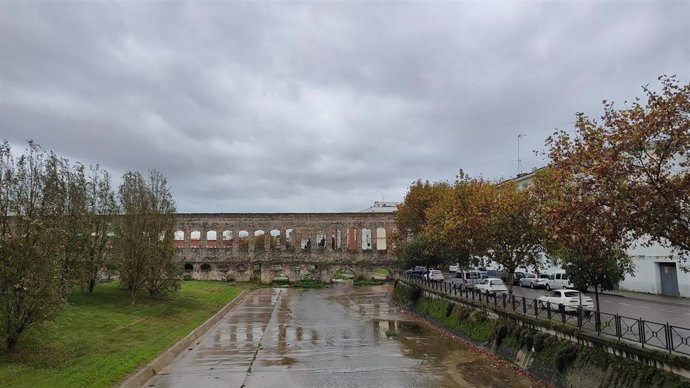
x=336 y=337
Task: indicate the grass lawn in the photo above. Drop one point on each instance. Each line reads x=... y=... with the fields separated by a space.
x=99 y=339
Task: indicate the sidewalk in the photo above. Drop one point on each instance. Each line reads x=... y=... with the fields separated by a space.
x=662 y=299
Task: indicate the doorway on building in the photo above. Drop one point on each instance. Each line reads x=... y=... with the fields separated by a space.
x=669 y=279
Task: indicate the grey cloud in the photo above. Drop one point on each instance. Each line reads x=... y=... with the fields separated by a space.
x=323 y=106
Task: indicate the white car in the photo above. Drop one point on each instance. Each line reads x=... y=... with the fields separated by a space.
x=491 y=286
x=454 y=268
x=570 y=299
x=434 y=275
x=558 y=280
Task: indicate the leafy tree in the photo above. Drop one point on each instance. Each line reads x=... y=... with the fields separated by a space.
x=411 y=217
x=411 y=223
x=419 y=251
x=101 y=208
x=514 y=228
x=637 y=163
x=454 y=227
x=77 y=226
x=585 y=236
x=144 y=233
x=31 y=233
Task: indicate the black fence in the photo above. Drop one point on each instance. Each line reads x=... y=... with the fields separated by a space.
x=663 y=336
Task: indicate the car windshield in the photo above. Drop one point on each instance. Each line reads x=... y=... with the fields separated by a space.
x=530 y=276
x=497 y=282
x=571 y=294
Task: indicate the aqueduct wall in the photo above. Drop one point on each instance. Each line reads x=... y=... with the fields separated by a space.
x=266 y=246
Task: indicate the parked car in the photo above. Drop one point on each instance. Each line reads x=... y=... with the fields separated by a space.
x=558 y=280
x=517 y=275
x=494 y=273
x=533 y=281
x=570 y=299
x=434 y=275
x=465 y=279
x=491 y=286
x=454 y=268
x=417 y=271
x=482 y=271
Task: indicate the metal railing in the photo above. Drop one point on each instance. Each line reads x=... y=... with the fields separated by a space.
x=664 y=336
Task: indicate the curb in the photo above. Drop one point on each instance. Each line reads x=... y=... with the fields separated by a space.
x=167 y=356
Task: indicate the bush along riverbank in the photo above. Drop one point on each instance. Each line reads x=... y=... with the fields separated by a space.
x=556 y=360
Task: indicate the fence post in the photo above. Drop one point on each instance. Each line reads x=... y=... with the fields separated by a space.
x=495 y=301
x=562 y=309
x=524 y=306
x=640 y=327
x=618 y=326
x=548 y=310
x=597 y=322
x=579 y=318
x=503 y=301
x=669 y=337
x=536 y=308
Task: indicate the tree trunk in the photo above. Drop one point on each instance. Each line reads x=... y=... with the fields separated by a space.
x=596 y=296
x=11 y=342
x=92 y=285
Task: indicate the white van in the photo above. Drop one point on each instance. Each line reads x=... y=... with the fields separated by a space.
x=558 y=280
x=465 y=279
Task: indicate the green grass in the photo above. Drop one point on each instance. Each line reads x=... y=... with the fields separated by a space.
x=382 y=272
x=309 y=284
x=99 y=339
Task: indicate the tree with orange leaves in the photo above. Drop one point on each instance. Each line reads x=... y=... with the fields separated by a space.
x=635 y=165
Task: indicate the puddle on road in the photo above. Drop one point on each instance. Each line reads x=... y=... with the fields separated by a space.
x=337 y=337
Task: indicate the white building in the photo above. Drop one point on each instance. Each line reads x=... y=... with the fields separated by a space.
x=656 y=270
x=381 y=207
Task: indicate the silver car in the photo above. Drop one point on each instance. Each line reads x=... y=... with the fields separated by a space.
x=533 y=281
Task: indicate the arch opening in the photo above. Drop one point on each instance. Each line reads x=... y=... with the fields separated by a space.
x=211 y=238
x=195 y=238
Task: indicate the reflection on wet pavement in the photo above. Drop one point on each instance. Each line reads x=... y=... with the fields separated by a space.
x=337 y=337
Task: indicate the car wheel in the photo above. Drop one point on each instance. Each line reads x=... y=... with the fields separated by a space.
x=548 y=288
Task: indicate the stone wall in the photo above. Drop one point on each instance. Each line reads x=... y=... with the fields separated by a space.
x=263 y=246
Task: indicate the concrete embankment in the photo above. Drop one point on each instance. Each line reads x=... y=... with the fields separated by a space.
x=558 y=355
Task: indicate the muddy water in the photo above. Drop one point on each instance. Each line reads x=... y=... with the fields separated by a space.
x=337 y=337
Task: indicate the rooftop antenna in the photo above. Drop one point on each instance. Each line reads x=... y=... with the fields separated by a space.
x=520 y=136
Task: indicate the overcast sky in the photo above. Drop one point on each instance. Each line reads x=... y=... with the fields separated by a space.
x=320 y=106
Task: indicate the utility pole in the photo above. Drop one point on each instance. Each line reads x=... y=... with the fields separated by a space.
x=521 y=135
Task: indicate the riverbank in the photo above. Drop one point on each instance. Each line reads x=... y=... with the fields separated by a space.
x=549 y=357
x=101 y=338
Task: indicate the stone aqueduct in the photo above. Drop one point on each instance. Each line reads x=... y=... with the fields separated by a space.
x=268 y=246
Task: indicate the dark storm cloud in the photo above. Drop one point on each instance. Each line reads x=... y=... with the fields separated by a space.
x=320 y=106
